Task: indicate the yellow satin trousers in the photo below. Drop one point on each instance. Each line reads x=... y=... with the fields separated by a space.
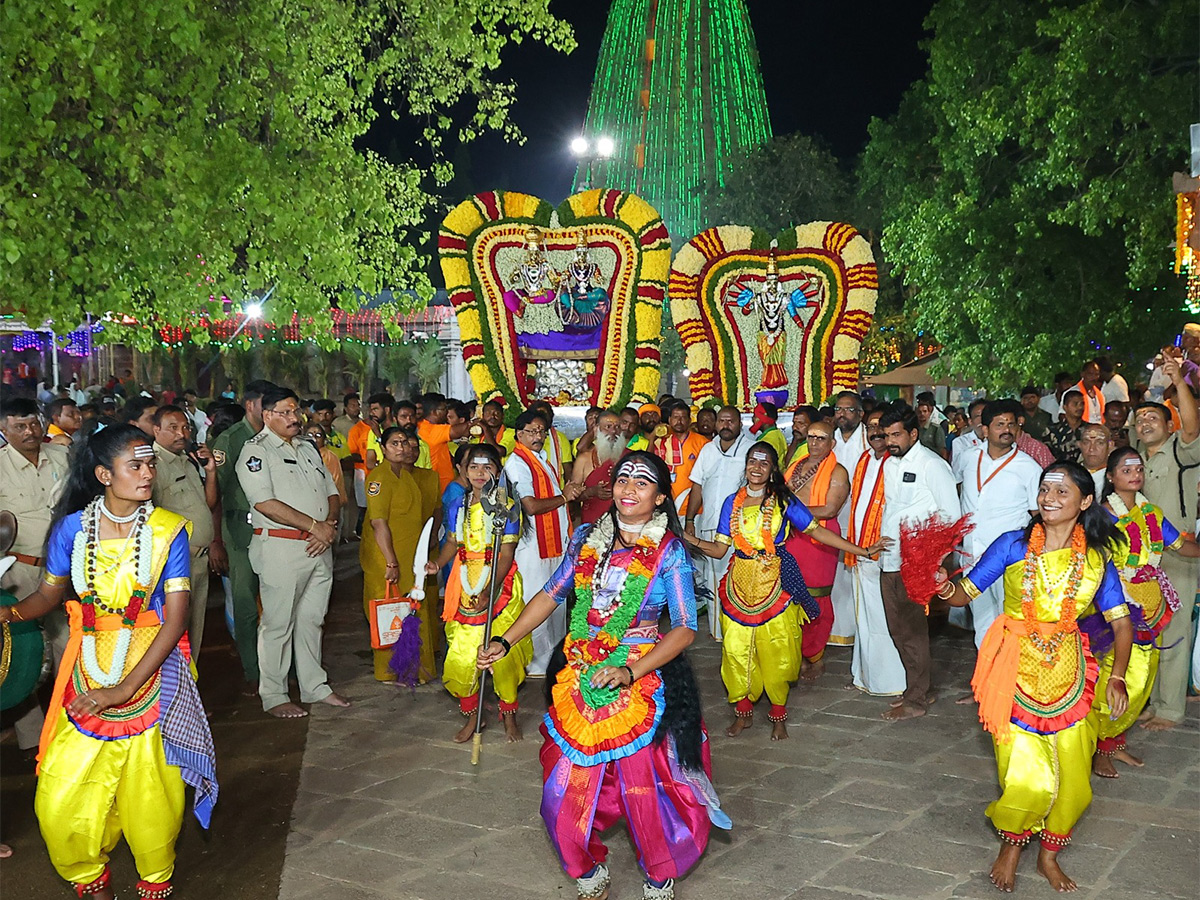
x=90 y=792
x=1139 y=679
x=1045 y=779
x=460 y=674
x=765 y=657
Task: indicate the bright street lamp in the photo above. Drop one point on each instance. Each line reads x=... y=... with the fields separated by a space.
x=604 y=147
x=589 y=152
x=579 y=146
x=253 y=310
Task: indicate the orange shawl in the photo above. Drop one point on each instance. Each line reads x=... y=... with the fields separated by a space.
x=546 y=526
x=873 y=520
x=818 y=487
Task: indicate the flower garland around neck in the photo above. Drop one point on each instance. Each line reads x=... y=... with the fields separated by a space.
x=473 y=589
x=1048 y=645
x=1127 y=521
x=606 y=649
x=766 y=517
x=84 y=558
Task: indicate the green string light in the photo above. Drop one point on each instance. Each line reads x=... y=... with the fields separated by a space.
x=706 y=101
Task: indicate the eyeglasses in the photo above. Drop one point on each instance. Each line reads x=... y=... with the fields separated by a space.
x=534 y=432
x=285 y=413
x=845 y=409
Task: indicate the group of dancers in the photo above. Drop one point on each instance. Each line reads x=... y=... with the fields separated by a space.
x=1060 y=675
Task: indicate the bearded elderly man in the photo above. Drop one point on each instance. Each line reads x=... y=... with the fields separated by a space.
x=849 y=444
x=534 y=479
x=1172 y=470
x=593 y=470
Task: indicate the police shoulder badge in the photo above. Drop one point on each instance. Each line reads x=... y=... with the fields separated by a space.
x=373 y=489
x=219 y=456
x=254 y=464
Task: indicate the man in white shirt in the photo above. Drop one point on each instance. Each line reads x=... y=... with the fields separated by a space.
x=970 y=440
x=719 y=471
x=1095 y=443
x=1000 y=494
x=1115 y=387
x=1052 y=402
x=1093 y=398
x=544 y=499
x=849 y=444
x=875 y=667
x=918 y=485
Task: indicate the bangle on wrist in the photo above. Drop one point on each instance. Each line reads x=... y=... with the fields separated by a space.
x=312 y=527
x=15 y=613
x=632 y=679
x=1120 y=678
x=503 y=643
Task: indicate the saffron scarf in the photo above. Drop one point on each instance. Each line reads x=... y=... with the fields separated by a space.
x=873 y=520
x=546 y=526
x=818 y=489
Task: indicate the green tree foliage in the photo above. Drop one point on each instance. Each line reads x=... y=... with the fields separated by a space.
x=159 y=153
x=790 y=180
x=1025 y=181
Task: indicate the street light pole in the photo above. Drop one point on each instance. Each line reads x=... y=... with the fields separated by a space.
x=589 y=152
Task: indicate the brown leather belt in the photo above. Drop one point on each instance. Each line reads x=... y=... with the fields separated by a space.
x=290 y=533
x=29 y=560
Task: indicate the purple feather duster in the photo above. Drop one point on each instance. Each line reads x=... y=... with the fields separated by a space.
x=406 y=653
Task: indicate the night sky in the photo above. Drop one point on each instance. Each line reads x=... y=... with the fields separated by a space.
x=828 y=69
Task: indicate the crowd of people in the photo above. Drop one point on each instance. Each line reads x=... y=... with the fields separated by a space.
x=590 y=564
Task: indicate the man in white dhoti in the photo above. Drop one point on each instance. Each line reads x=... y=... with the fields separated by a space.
x=544 y=500
x=849 y=444
x=875 y=667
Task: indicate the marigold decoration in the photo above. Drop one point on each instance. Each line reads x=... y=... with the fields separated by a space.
x=1140 y=554
x=923 y=546
x=829 y=274
x=1187 y=236
x=766 y=518
x=488 y=236
x=1049 y=645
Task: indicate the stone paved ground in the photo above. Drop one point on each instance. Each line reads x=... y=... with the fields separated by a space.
x=851 y=806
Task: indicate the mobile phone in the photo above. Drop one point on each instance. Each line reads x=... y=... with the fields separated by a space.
x=1179 y=340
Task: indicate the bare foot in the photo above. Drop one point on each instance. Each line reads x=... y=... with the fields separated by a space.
x=468 y=731
x=1004 y=869
x=1129 y=759
x=740 y=724
x=849 y=686
x=1147 y=715
x=1157 y=724
x=903 y=711
x=811 y=671
x=1047 y=864
x=779 y=731
x=511 y=729
x=896 y=701
x=1103 y=767
x=337 y=700
x=965 y=700
x=287 y=710
x=5 y=851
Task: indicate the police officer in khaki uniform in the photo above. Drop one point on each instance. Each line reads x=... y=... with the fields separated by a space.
x=294 y=511
x=179 y=488
x=243 y=583
x=32 y=475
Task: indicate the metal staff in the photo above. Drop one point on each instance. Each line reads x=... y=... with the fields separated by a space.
x=495 y=504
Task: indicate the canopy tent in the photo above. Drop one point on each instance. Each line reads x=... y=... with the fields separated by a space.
x=917 y=374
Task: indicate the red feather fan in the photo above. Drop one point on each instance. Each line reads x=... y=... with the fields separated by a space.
x=923 y=546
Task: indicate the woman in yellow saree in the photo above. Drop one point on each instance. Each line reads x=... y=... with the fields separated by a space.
x=1035 y=677
x=125 y=729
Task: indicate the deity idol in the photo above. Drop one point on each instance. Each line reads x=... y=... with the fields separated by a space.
x=581 y=302
x=533 y=280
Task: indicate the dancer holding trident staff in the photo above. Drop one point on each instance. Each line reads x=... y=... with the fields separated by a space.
x=623 y=736
x=484 y=590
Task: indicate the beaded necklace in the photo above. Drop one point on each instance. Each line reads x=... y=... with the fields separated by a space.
x=473 y=588
x=1049 y=645
x=766 y=516
x=590 y=575
x=84 y=558
x=1147 y=531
